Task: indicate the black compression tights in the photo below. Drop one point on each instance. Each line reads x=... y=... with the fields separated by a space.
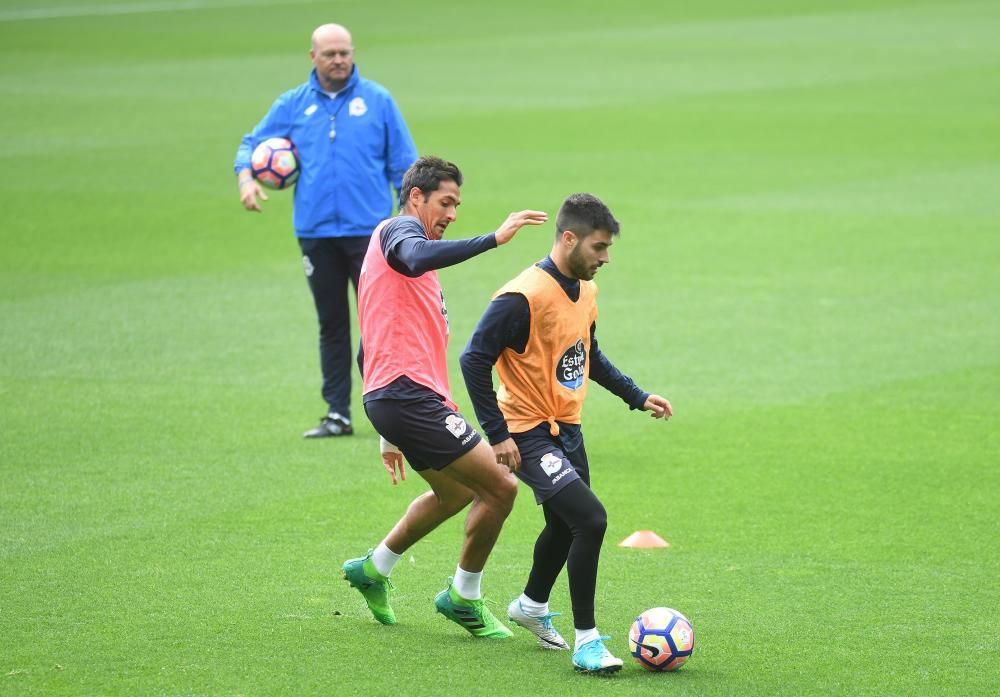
x=575 y=521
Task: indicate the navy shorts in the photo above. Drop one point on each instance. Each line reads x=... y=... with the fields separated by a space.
x=431 y=435
x=545 y=466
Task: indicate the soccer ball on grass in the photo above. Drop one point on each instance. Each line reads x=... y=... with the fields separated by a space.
x=661 y=639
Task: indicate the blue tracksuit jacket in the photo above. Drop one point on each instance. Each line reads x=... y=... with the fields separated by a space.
x=343 y=189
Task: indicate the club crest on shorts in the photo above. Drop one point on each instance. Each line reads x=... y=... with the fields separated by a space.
x=570 y=368
x=551 y=463
x=456 y=425
x=308 y=266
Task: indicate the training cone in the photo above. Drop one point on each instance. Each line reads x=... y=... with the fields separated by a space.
x=644 y=539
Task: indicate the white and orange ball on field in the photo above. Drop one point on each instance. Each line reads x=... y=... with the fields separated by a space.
x=275 y=163
x=661 y=639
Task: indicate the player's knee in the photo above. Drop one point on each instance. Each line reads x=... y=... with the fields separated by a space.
x=506 y=491
x=595 y=523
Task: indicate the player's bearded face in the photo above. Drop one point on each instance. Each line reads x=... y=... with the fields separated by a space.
x=590 y=254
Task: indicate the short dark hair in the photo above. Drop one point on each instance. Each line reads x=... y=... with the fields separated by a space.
x=584 y=213
x=426 y=174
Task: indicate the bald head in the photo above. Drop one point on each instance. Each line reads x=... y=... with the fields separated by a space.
x=327 y=32
x=332 y=53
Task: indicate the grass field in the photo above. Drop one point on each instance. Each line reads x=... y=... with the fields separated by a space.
x=809 y=268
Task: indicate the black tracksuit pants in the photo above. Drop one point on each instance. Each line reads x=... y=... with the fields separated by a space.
x=330 y=262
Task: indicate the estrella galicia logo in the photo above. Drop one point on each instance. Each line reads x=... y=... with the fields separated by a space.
x=569 y=369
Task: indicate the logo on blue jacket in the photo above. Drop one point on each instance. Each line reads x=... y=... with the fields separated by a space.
x=357 y=107
x=569 y=369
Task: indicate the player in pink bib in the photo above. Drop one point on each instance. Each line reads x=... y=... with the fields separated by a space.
x=407 y=397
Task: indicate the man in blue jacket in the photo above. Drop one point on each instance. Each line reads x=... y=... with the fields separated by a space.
x=353 y=145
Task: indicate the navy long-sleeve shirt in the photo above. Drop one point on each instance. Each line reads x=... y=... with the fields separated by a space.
x=506 y=324
x=408 y=251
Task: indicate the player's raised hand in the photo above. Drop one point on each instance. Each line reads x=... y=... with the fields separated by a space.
x=515 y=221
x=250 y=190
x=659 y=406
x=392 y=460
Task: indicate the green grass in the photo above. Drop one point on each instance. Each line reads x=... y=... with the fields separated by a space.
x=810 y=199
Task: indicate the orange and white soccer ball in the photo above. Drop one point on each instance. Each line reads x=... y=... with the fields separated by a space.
x=275 y=163
x=661 y=639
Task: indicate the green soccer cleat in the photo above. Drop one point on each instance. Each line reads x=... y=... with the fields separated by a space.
x=374 y=589
x=472 y=615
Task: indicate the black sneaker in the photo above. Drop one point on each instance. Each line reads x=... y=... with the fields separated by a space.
x=333 y=424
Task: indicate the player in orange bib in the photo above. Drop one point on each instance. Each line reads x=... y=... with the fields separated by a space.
x=540 y=332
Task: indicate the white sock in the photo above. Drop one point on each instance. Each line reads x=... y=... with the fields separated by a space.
x=467 y=584
x=384 y=559
x=532 y=608
x=585 y=636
